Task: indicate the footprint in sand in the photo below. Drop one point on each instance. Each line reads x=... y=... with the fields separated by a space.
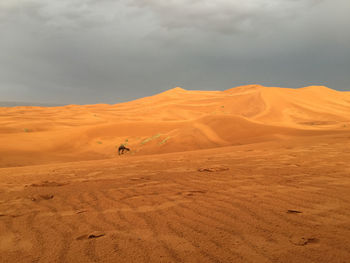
x=48 y=184
x=42 y=197
x=11 y=215
x=213 y=169
x=139 y=178
x=80 y=211
x=192 y=193
x=303 y=241
x=290 y=211
x=93 y=235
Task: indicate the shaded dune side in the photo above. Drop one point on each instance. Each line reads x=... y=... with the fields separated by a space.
x=220 y=131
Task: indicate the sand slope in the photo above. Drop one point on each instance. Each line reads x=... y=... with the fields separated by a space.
x=251 y=174
x=175 y=120
x=277 y=201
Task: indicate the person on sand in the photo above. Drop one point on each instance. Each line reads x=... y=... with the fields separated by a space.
x=122 y=148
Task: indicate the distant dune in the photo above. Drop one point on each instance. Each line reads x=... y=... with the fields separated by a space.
x=175 y=120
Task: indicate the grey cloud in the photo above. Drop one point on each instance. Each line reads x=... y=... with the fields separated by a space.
x=86 y=51
x=225 y=16
x=63 y=13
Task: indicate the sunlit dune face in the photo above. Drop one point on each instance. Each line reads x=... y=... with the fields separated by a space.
x=176 y=120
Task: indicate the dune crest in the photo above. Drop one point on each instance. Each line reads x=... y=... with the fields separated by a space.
x=174 y=120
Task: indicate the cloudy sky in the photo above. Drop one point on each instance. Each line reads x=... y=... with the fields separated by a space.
x=92 y=51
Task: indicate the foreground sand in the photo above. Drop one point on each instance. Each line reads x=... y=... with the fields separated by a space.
x=277 y=201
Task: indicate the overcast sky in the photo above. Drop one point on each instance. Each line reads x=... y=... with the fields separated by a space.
x=92 y=51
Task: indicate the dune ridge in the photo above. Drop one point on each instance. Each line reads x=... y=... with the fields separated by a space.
x=175 y=120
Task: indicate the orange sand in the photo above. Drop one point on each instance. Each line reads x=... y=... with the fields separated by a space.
x=250 y=174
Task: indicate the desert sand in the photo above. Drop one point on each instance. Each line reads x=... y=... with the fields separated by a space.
x=250 y=174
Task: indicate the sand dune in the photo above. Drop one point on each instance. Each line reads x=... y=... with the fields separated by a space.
x=175 y=120
x=250 y=174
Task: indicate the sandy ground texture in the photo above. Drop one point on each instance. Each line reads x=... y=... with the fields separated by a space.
x=251 y=174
